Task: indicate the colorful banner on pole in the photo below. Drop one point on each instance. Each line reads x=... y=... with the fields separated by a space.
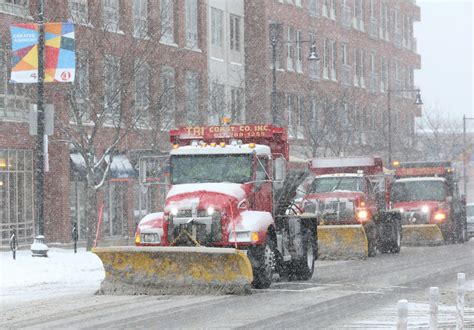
x=59 y=53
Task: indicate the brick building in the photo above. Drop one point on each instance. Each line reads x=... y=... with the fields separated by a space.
x=164 y=63
x=133 y=57
x=337 y=105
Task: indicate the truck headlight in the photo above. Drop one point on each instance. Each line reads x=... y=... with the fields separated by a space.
x=243 y=237
x=150 y=238
x=210 y=210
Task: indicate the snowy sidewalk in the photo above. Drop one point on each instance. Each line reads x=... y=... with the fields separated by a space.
x=31 y=278
x=419 y=311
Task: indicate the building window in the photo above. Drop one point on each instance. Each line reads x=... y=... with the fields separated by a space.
x=384 y=75
x=358 y=20
x=111 y=15
x=292 y=116
x=333 y=60
x=191 y=17
x=167 y=21
x=217 y=98
x=373 y=73
x=383 y=21
x=332 y=10
x=325 y=8
x=344 y=54
x=81 y=90
x=192 y=97
x=79 y=11
x=168 y=95
x=115 y=210
x=112 y=89
x=140 y=18
x=217 y=17
x=290 y=53
x=142 y=92
x=235 y=32
x=313 y=66
x=299 y=52
x=314 y=7
x=15 y=7
x=326 y=59
x=16 y=195
x=237 y=105
x=301 y=118
x=14 y=101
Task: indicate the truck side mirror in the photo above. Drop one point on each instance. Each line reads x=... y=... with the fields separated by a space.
x=449 y=199
x=280 y=169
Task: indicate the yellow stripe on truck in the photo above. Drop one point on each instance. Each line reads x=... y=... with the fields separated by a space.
x=419 y=235
x=342 y=242
x=174 y=270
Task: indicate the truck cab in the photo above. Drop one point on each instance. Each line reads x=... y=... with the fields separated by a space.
x=427 y=193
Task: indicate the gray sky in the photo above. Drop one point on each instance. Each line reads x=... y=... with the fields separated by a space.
x=445 y=43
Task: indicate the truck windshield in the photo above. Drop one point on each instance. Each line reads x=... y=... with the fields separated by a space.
x=322 y=185
x=408 y=191
x=211 y=168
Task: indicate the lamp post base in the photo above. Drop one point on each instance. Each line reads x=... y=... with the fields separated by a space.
x=39 y=248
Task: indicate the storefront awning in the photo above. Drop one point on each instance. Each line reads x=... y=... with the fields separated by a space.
x=121 y=168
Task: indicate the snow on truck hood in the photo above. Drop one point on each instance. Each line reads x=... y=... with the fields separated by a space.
x=231 y=189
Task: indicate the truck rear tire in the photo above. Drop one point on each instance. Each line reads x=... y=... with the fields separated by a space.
x=303 y=268
x=262 y=259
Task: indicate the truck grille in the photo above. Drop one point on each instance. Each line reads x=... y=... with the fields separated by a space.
x=415 y=217
x=205 y=229
x=336 y=210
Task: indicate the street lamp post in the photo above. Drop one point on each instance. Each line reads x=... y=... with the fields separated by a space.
x=418 y=101
x=313 y=56
x=464 y=169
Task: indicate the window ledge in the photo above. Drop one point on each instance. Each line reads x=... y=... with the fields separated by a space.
x=197 y=50
x=167 y=43
x=87 y=24
x=217 y=59
x=236 y=63
x=113 y=31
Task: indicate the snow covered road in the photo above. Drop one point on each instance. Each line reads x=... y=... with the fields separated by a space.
x=59 y=293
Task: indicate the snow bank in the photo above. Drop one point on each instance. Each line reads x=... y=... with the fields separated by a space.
x=62 y=273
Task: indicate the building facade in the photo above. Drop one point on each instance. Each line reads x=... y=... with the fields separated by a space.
x=142 y=67
x=338 y=105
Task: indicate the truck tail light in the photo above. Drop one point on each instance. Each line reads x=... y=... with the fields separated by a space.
x=362 y=215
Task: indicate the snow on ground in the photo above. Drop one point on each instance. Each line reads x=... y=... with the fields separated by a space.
x=33 y=278
x=386 y=317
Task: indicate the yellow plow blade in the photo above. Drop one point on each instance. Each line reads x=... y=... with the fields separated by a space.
x=342 y=242
x=174 y=270
x=420 y=235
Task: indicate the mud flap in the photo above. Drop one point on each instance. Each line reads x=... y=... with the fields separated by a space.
x=422 y=235
x=174 y=270
x=342 y=242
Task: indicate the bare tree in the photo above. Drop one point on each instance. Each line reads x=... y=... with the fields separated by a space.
x=111 y=99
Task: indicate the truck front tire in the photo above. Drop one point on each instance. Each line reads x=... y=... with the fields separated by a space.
x=263 y=261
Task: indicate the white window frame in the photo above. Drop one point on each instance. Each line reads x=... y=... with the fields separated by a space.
x=235 y=33
x=111 y=15
x=299 y=52
x=142 y=92
x=167 y=22
x=168 y=95
x=140 y=18
x=79 y=11
x=290 y=53
x=217 y=27
x=112 y=92
x=191 y=24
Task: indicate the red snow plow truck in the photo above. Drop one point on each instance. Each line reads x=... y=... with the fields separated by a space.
x=432 y=210
x=224 y=227
x=350 y=198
